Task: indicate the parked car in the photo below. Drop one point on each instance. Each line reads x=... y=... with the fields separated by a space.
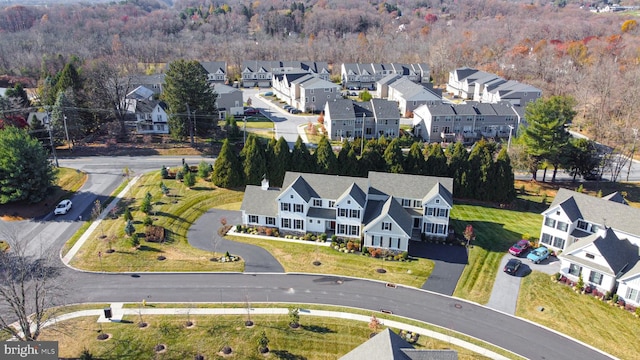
x=539 y=254
x=519 y=248
x=63 y=207
x=251 y=111
x=268 y=93
x=512 y=266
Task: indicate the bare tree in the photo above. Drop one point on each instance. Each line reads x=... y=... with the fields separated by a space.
x=29 y=287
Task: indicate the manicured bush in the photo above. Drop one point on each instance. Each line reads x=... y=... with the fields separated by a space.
x=155 y=233
x=164 y=172
x=179 y=175
x=147 y=221
x=127 y=214
x=134 y=240
x=189 y=179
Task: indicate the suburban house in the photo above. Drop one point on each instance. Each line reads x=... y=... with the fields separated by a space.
x=345 y=118
x=154 y=82
x=466 y=122
x=365 y=76
x=384 y=210
x=388 y=345
x=228 y=100
x=149 y=115
x=305 y=92
x=216 y=71
x=39 y=117
x=408 y=94
x=597 y=240
x=261 y=73
x=473 y=84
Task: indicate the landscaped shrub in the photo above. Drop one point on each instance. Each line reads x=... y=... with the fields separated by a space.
x=189 y=179
x=147 y=221
x=351 y=245
x=615 y=298
x=127 y=214
x=179 y=175
x=164 y=172
x=134 y=241
x=155 y=234
x=323 y=237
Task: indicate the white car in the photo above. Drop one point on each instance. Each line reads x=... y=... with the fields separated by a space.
x=63 y=207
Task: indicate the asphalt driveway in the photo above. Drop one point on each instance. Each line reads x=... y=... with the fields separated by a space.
x=449 y=264
x=202 y=232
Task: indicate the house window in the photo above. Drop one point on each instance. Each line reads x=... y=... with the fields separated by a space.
x=546 y=239
x=341 y=228
x=354 y=230
x=595 y=277
x=285 y=207
x=632 y=294
x=429 y=211
x=549 y=222
x=582 y=225
x=355 y=213
x=348 y=201
x=575 y=270
x=317 y=202
x=375 y=241
x=417 y=203
x=342 y=212
x=428 y=227
x=406 y=202
x=271 y=221
x=332 y=203
x=562 y=226
x=298 y=208
x=297 y=224
x=440 y=229
x=558 y=242
x=437 y=201
x=286 y=223
x=386 y=225
x=443 y=212
x=253 y=219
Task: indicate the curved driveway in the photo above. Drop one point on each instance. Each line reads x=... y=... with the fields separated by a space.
x=519 y=336
x=204 y=232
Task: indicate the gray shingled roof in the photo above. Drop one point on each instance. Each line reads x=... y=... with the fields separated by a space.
x=322 y=213
x=598 y=211
x=303 y=189
x=363 y=108
x=441 y=109
x=407 y=186
x=326 y=186
x=464 y=72
x=484 y=109
x=212 y=67
x=341 y=109
x=443 y=191
x=385 y=109
x=503 y=109
x=224 y=89
x=616 y=197
x=359 y=195
x=620 y=255
x=257 y=201
x=140 y=93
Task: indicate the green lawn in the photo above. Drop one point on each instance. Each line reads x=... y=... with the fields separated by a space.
x=296 y=257
x=176 y=213
x=318 y=337
x=496 y=230
x=583 y=317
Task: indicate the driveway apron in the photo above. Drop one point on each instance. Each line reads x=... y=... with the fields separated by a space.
x=203 y=230
x=449 y=264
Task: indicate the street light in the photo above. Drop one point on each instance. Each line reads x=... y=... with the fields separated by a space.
x=633 y=151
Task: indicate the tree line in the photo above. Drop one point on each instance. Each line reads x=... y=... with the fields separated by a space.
x=484 y=173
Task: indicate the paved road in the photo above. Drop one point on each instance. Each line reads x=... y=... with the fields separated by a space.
x=504 y=295
x=203 y=234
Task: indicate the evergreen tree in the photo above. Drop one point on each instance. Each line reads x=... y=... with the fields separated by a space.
x=204 y=169
x=372 y=159
x=436 y=162
x=227 y=171
x=68 y=79
x=458 y=163
x=353 y=165
x=480 y=172
x=129 y=229
x=342 y=165
x=25 y=171
x=281 y=163
x=254 y=164
x=503 y=178
x=301 y=159
x=415 y=162
x=270 y=157
x=189 y=179
x=545 y=135
x=19 y=96
x=325 y=157
x=187 y=92
x=393 y=157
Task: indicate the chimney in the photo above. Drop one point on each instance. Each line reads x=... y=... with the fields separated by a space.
x=265 y=183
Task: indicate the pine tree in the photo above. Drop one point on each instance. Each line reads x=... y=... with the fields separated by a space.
x=301 y=159
x=227 y=171
x=129 y=229
x=480 y=171
x=415 y=162
x=503 y=178
x=189 y=179
x=436 y=161
x=458 y=165
x=254 y=162
x=393 y=157
x=325 y=157
x=281 y=162
x=372 y=159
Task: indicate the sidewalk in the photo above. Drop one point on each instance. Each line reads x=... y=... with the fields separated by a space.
x=94 y=225
x=118 y=312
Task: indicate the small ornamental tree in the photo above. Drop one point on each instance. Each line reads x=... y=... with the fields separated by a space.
x=179 y=175
x=294 y=317
x=127 y=214
x=129 y=229
x=469 y=234
x=164 y=172
x=164 y=189
x=189 y=179
x=145 y=207
x=374 y=324
x=263 y=343
x=580 y=283
x=204 y=169
x=134 y=240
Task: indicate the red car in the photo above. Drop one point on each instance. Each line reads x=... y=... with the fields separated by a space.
x=518 y=248
x=251 y=111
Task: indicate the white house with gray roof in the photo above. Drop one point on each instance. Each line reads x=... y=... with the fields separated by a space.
x=216 y=71
x=345 y=118
x=408 y=94
x=599 y=239
x=477 y=85
x=383 y=210
x=228 y=100
x=261 y=73
x=365 y=75
x=149 y=113
x=467 y=122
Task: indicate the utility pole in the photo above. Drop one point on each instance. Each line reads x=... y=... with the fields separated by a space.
x=66 y=131
x=195 y=126
x=633 y=151
x=190 y=124
x=362 y=139
x=509 y=141
x=53 y=148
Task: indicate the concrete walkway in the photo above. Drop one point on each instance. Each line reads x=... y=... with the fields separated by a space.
x=119 y=311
